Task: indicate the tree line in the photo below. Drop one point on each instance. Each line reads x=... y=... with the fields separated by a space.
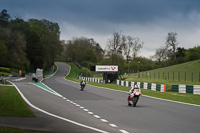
x=171 y=54
x=122 y=50
x=28 y=45
x=32 y=44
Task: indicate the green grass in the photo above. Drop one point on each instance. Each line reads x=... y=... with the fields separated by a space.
x=49 y=72
x=11 y=103
x=173 y=75
x=14 y=130
x=75 y=71
x=5 y=74
x=180 y=97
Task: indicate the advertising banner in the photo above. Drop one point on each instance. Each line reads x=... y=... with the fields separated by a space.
x=105 y=68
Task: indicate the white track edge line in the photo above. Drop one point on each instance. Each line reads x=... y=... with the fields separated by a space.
x=59 y=117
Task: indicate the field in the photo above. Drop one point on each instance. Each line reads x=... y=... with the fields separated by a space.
x=186 y=73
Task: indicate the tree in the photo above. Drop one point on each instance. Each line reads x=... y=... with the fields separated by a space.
x=171 y=42
x=137 y=45
x=3 y=49
x=114 y=60
x=180 y=55
x=161 y=54
x=89 y=57
x=16 y=44
x=47 y=43
x=99 y=51
x=128 y=44
x=193 y=53
x=83 y=50
x=4 y=18
x=114 y=44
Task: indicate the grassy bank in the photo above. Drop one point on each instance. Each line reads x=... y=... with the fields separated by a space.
x=11 y=103
x=180 y=97
x=185 y=73
x=50 y=72
x=74 y=72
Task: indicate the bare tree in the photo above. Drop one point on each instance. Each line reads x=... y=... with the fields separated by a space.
x=137 y=45
x=114 y=44
x=127 y=46
x=161 y=54
x=171 y=42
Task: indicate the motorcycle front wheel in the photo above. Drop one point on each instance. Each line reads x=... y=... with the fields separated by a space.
x=129 y=102
x=82 y=87
x=135 y=100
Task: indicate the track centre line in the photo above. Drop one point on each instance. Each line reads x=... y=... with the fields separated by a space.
x=86 y=110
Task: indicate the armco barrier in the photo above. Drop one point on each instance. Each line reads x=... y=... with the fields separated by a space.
x=144 y=85
x=91 y=79
x=192 y=89
x=196 y=89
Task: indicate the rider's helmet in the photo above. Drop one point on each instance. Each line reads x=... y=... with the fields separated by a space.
x=136 y=86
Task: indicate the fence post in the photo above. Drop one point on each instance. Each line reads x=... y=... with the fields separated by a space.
x=192 y=76
x=199 y=76
x=185 y=76
x=163 y=75
x=168 y=75
x=150 y=75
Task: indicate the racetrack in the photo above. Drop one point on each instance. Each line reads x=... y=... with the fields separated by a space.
x=101 y=110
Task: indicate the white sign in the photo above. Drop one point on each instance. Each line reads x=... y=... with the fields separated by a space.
x=106 y=68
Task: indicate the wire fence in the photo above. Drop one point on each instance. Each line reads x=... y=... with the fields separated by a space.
x=174 y=76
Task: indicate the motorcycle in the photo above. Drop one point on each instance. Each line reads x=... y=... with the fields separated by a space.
x=134 y=97
x=82 y=86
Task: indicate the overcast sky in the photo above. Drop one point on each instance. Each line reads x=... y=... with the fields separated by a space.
x=149 y=20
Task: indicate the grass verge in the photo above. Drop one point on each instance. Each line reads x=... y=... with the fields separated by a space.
x=180 y=97
x=12 y=104
x=74 y=72
x=50 y=72
x=14 y=130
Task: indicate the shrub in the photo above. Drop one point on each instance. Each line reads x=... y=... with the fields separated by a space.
x=86 y=72
x=4 y=69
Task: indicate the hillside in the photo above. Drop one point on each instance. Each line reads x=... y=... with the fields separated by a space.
x=185 y=73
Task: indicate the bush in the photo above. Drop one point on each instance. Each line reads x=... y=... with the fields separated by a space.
x=4 y=69
x=86 y=72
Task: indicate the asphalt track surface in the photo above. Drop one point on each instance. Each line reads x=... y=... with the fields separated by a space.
x=103 y=110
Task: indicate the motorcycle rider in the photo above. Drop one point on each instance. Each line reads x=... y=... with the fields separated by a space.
x=83 y=83
x=131 y=91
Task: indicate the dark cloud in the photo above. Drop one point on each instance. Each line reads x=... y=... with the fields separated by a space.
x=113 y=11
x=148 y=19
